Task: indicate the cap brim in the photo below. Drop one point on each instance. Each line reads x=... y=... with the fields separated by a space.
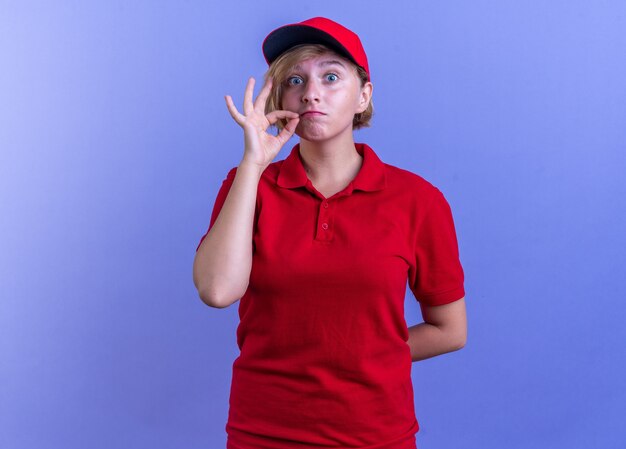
x=288 y=36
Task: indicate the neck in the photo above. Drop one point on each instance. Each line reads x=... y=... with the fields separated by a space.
x=330 y=161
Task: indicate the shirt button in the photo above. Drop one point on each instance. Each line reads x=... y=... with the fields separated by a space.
x=326 y=204
x=324 y=226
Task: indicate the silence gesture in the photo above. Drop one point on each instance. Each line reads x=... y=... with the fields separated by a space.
x=261 y=147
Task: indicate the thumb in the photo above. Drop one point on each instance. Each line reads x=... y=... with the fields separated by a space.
x=288 y=130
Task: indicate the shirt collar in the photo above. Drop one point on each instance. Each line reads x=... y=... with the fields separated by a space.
x=371 y=176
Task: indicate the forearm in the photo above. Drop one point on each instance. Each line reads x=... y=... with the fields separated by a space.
x=223 y=262
x=427 y=340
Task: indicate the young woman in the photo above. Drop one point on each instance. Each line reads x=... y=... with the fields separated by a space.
x=319 y=247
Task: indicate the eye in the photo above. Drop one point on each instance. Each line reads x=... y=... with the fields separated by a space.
x=294 y=81
x=332 y=77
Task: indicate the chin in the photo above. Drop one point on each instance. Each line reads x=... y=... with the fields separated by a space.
x=314 y=134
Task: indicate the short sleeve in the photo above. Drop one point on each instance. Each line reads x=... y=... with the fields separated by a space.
x=219 y=201
x=435 y=275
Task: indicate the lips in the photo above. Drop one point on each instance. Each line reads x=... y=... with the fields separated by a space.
x=311 y=114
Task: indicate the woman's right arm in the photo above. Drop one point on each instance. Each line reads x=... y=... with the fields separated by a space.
x=223 y=262
x=221 y=268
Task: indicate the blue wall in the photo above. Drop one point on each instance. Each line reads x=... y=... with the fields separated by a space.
x=114 y=139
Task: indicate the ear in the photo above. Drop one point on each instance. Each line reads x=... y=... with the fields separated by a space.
x=365 y=96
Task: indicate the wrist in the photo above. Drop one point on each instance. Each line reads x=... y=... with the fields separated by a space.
x=251 y=167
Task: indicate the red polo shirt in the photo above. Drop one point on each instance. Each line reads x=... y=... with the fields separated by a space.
x=324 y=358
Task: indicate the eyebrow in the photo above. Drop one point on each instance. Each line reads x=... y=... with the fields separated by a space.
x=323 y=63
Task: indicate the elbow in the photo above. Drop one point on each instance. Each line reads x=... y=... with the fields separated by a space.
x=218 y=290
x=208 y=293
x=218 y=300
x=458 y=342
x=453 y=338
x=210 y=300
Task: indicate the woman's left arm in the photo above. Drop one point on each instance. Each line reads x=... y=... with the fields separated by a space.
x=444 y=330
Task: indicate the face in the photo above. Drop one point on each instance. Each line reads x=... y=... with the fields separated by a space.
x=326 y=91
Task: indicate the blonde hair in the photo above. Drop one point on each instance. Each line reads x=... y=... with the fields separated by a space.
x=280 y=68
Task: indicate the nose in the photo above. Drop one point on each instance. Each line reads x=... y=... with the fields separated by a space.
x=311 y=92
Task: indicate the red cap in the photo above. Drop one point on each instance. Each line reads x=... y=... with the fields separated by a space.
x=318 y=30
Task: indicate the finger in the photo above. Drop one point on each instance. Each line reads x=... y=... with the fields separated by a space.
x=288 y=130
x=261 y=100
x=247 y=97
x=274 y=116
x=233 y=110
